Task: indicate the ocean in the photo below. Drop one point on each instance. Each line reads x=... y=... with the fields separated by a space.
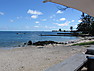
x=15 y=38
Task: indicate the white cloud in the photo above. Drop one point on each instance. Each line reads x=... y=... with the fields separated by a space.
x=1 y=13
x=34 y=16
x=37 y=22
x=34 y=12
x=79 y=20
x=62 y=25
x=72 y=21
x=62 y=19
x=59 y=12
x=11 y=20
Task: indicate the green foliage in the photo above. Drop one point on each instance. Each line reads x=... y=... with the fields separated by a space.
x=71 y=28
x=60 y=30
x=87 y=24
x=85 y=43
x=92 y=29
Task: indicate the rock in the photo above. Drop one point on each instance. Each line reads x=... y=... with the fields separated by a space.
x=42 y=43
x=25 y=43
x=66 y=43
x=39 y=43
x=61 y=43
x=72 y=42
x=29 y=43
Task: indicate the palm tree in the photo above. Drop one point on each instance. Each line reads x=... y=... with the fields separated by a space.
x=71 y=28
x=60 y=30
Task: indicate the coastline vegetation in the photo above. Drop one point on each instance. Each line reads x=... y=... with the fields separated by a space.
x=87 y=24
x=84 y=43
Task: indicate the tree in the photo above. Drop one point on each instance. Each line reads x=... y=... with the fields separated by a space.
x=60 y=30
x=87 y=24
x=71 y=28
x=92 y=28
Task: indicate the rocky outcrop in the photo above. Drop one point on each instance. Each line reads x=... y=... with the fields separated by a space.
x=42 y=43
x=29 y=43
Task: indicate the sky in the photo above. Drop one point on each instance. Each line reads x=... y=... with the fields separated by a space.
x=33 y=15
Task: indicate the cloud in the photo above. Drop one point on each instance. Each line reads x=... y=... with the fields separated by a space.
x=59 y=12
x=37 y=22
x=34 y=16
x=79 y=20
x=64 y=24
x=34 y=12
x=72 y=21
x=1 y=13
x=62 y=19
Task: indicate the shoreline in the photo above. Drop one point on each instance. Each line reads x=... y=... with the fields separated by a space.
x=66 y=43
x=81 y=40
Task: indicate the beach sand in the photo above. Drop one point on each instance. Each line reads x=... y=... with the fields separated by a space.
x=35 y=58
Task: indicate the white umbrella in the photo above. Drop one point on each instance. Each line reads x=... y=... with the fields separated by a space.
x=86 y=6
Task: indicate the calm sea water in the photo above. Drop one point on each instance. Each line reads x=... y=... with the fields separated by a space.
x=12 y=39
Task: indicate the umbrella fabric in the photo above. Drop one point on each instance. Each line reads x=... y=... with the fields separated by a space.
x=86 y=6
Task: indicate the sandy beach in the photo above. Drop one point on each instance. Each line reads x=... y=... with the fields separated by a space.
x=35 y=58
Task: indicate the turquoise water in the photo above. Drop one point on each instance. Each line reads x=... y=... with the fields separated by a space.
x=15 y=38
